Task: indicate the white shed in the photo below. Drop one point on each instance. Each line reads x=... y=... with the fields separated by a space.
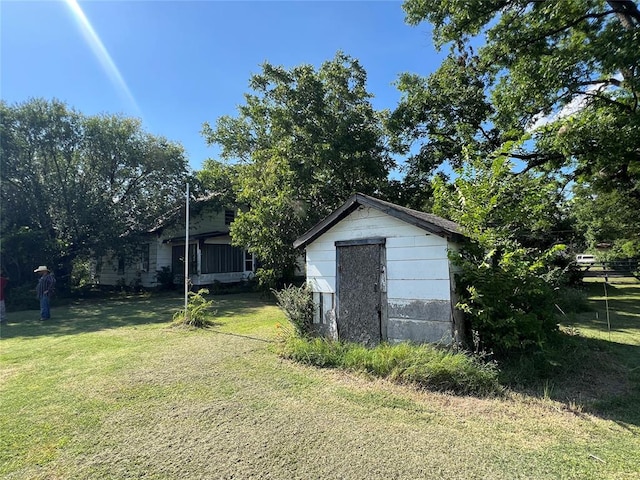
x=381 y=272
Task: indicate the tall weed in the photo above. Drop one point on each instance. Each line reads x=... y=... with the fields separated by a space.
x=423 y=365
x=198 y=311
x=297 y=305
x=313 y=351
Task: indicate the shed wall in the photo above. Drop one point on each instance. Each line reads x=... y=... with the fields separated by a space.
x=417 y=276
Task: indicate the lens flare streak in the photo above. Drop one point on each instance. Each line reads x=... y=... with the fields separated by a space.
x=101 y=52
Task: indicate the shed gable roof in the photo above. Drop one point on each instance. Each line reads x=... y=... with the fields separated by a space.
x=426 y=221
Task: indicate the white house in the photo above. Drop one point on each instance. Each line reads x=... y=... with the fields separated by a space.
x=380 y=272
x=212 y=258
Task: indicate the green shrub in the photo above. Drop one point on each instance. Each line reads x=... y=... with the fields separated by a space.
x=165 y=279
x=217 y=287
x=572 y=300
x=121 y=285
x=197 y=312
x=21 y=297
x=507 y=298
x=423 y=365
x=81 y=273
x=298 y=307
x=135 y=285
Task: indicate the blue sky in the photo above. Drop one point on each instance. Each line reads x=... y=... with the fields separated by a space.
x=177 y=64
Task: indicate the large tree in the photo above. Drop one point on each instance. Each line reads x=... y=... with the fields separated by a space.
x=564 y=75
x=75 y=186
x=304 y=140
x=608 y=228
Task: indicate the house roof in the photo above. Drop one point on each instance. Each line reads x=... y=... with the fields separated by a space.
x=426 y=221
x=177 y=214
x=197 y=236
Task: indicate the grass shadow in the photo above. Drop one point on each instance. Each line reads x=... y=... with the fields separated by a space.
x=588 y=375
x=85 y=316
x=593 y=364
x=617 y=312
x=248 y=337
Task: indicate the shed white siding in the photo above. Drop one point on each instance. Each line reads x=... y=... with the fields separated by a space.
x=418 y=282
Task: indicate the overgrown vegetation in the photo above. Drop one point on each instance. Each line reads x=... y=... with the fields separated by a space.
x=166 y=279
x=297 y=305
x=304 y=140
x=87 y=205
x=509 y=305
x=198 y=312
x=553 y=86
x=425 y=366
x=510 y=270
x=21 y=297
x=592 y=362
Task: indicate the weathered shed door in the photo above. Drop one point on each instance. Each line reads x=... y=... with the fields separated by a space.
x=359 y=290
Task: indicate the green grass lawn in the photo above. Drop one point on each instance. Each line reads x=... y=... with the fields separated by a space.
x=109 y=391
x=623 y=299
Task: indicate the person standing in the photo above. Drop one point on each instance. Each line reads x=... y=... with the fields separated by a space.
x=44 y=290
x=3 y=311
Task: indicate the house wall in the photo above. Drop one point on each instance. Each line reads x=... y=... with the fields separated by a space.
x=160 y=254
x=418 y=281
x=133 y=272
x=163 y=255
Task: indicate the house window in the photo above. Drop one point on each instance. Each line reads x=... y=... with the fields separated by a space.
x=177 y=259
x=229 y=216
x=222 y=259
x=121 y=265
x=144 y=257
x=248 y=262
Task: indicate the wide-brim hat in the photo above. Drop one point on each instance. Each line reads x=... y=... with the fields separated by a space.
x=41 y=268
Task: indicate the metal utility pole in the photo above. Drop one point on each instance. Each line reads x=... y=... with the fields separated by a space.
x=186 y=256
x=606 y=303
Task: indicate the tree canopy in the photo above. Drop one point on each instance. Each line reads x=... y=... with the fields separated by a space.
x=561 y=78
x=76 y=186
x=304 y=140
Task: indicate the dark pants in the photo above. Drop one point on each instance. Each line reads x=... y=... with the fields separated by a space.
x=44 y=307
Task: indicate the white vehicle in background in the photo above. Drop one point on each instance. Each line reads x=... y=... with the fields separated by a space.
x=585 y=259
